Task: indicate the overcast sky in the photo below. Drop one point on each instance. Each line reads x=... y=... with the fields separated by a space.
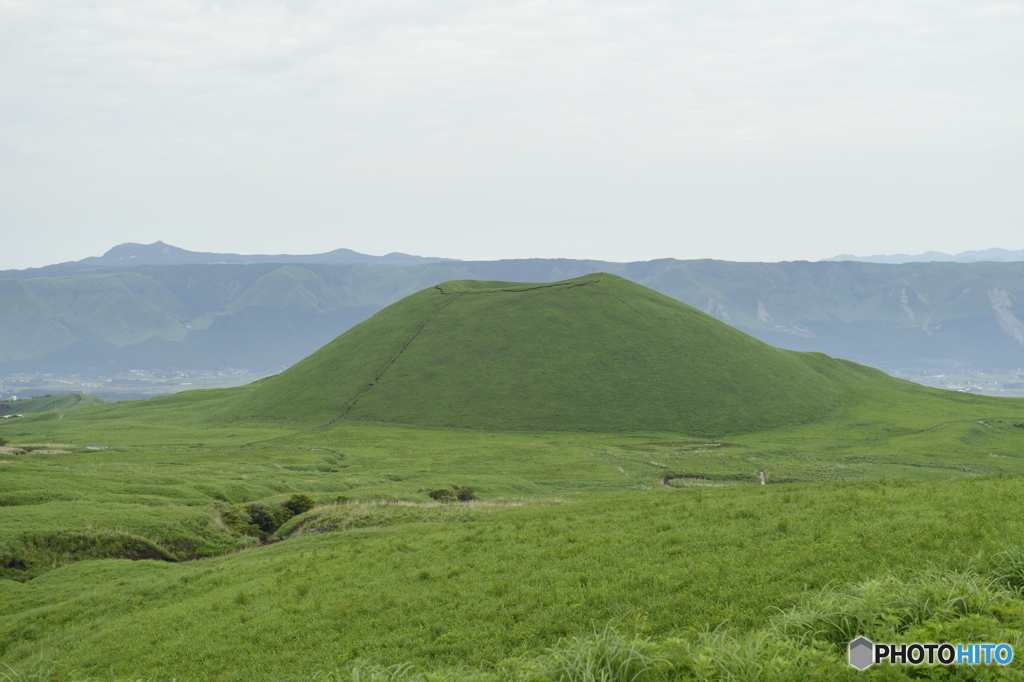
x=480 y=130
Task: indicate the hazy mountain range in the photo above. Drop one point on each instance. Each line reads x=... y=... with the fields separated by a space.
x=131 y=255
x=117 y=312
x=993 y=255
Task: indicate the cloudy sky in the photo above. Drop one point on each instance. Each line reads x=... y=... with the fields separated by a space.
x=562 y=128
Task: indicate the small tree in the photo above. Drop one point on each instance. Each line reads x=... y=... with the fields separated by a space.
x=263 y=516
x=238 y=520
x=464 y=493
x=282 y=514
x=299 y=503
x=442 y=495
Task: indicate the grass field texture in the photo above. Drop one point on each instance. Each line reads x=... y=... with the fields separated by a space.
x=573 y=531
x=149 y=540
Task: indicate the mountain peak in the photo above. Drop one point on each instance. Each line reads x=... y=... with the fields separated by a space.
x=131 y=254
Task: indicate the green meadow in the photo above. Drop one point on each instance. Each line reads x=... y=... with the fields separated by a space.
x=269 y=533
x=48 y=403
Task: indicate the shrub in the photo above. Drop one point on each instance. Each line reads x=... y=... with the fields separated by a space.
x=442 y=495
x=3 y=441
x=299 y=503
x=458 y=493
x=464 y=493
x=282 y=514
x=260 y=519
x=263 y=516
x=238 y=521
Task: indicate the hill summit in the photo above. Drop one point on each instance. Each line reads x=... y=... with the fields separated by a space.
x=596 y=353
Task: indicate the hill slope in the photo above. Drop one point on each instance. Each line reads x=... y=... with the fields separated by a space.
x=596 y=353
x=48 y=403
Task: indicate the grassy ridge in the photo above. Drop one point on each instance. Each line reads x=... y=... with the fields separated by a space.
x=597 y=353
x=50 y=403
x=122 y=309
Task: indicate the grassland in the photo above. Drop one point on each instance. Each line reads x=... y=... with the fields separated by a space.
x=148 y=539
x=573 y=531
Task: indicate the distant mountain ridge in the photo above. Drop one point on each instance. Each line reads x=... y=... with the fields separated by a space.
x=97 y=318
x=989 y=255
x=131 y=255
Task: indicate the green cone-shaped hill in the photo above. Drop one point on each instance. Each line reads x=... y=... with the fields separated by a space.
x=597 y=353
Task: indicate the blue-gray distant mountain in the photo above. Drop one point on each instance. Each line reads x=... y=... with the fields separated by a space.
x=131 y=255
x=262 y=316
x=990 y=255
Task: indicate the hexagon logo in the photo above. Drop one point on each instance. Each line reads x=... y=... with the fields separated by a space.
x=862 y=653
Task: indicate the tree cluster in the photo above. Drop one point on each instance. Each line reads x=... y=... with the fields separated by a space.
x=458 y=493
x=260 y=519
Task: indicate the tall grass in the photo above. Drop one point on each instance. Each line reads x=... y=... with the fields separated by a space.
x=1007 y=568
x=403 y=672
x=39 y=672
x=805 y=642
x=606 y=656
x=887 y=607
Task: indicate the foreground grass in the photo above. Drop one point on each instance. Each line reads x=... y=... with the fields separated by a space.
x=478 y=588
x=808 y=641
x=983 y=602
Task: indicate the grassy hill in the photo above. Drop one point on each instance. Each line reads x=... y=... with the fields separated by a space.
x=596 y=353
x=43 y=315
x=48 y=403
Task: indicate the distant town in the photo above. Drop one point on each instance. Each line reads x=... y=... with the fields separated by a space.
x=1005 y=384
x=140 y=384
x=135 y=384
